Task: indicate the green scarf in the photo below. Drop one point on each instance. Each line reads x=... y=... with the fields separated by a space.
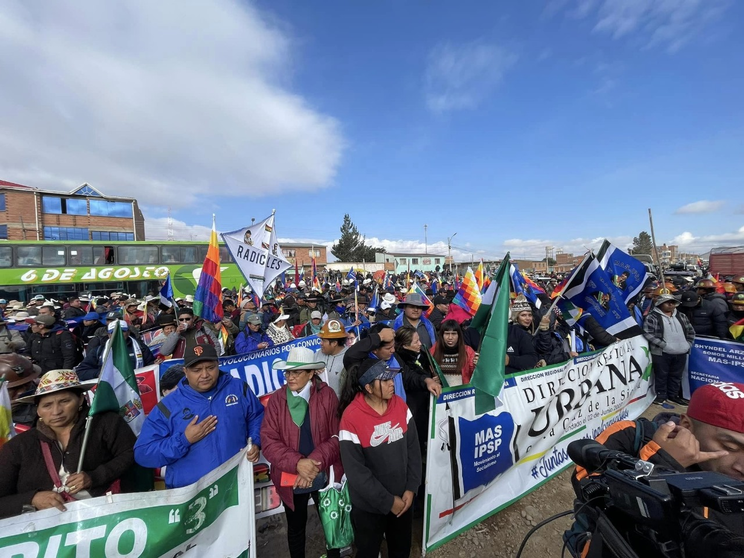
x=297 y=407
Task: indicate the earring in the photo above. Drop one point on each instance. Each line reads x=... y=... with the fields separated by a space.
x=80 y=408
x=41 y=419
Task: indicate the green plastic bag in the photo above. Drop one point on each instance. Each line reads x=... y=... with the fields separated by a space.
x=335 y=513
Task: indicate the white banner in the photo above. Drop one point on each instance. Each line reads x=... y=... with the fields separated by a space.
x=212 y=517
x=480 y=464
x=257 y=254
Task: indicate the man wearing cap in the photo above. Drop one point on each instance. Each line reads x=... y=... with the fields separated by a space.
x=709 y=437
x=249 y=309
x=413 y=307
x=86 y=329
x=11 y=340
x=670 y=336
x=331 y=353
x=74 y=310
x=441 y=307
x=387 y=311
x=139 y=353
x=313 y=326
x=209 y=418
x=51 y=345
x=191 y=331
x=706 y=318
x=253 y=338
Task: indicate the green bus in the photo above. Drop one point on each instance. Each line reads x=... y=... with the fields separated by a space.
x=66 y=268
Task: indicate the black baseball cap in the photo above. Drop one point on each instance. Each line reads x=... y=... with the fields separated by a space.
x=199 y=353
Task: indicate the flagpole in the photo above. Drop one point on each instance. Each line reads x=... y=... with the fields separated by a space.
x=656 y=251
x=89 y=418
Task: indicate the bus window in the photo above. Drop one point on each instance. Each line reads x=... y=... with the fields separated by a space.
x=28 y=256
x=137 y=255
x=53 y=255
x=6 y=259
x=80 y=255
x=201 y=254
x=190 y=255
x=103 y=255
x=225 y=255
x=170 y=254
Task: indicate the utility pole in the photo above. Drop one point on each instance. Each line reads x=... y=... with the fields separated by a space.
x=426 y=242
x=449 y=249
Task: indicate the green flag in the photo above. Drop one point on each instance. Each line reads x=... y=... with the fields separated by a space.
x=117 y=388
x=492 y=322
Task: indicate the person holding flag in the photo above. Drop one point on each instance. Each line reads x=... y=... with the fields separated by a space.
x=38 y=467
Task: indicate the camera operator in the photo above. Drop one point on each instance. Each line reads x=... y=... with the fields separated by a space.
x=709 y=437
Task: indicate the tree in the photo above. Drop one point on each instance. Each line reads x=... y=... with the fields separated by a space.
x=642 y=244
x=351 y=246
x=551 y=261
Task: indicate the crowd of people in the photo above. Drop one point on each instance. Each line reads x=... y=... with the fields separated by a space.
x=358 y=405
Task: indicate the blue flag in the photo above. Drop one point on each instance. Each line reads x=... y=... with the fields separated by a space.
x=375 y=302
x=166 y=293
x=521 y=287
x=591 y=289
x=627 y=273
x=351 y=276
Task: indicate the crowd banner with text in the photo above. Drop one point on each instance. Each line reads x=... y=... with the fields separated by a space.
x=212 y=517
x=714 y=360
x=480 y=464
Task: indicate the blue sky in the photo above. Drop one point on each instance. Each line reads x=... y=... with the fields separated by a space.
x=514 y=124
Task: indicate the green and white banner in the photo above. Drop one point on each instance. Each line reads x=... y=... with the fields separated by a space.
x=212 y=517
x=480 y=464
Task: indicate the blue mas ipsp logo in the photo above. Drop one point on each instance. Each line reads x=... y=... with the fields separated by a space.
x=484 y=448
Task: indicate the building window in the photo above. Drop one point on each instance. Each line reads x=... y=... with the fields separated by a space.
x=437 y=260
x=86 y=190
x=6 y=259
x=2 y=202
x=103 y=208
x=65 y=233
x=414 y=261
x=403 y=260
x=76 y=206
x=289 y=253
x=3 y=232
x=50 y=204
x=315 y=253
x=109 y=235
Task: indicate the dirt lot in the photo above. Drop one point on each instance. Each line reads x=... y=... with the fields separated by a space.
x=499 y=536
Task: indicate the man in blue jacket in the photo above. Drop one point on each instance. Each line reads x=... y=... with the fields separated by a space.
x=209 y=418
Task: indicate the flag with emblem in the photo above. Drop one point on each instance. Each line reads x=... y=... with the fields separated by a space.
x=117 y=388
x=492 y=322
x=208 y=297
x=6 y=414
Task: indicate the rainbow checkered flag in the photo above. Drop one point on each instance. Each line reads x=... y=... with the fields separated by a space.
x=208 y=296
x=468 y=296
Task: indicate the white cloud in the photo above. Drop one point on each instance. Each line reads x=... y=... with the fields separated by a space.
x=165 y=101
x=703 y=206
x=666 y=23
x=462 y=76
x=156 y=228
x=702 y=244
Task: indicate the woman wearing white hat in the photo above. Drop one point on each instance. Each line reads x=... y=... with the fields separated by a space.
x=299 y=434
x=37 y=467
x=278 y=331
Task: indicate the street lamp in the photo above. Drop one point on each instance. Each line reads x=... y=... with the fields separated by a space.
x=449 y=249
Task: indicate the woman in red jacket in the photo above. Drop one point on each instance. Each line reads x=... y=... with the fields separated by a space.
x=454 y=357
x=300 y=439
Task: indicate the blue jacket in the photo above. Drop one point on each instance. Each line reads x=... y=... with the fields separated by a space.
x=163 y=442
x=398 y=323
x=247 y=341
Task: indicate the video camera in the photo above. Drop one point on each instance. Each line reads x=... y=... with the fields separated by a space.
x=631 y=508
